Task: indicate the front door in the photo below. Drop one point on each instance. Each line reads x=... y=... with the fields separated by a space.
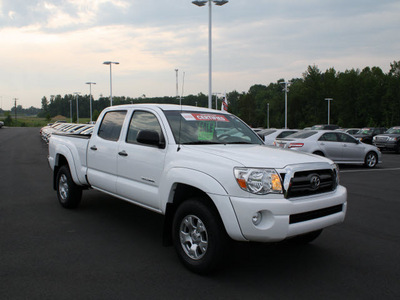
x=139 y=165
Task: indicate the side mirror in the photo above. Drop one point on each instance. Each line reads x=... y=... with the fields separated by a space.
x=150 y=137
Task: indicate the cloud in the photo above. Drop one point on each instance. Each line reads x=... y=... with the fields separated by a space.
x=54 y=46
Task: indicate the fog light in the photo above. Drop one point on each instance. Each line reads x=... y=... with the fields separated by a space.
x=257 y=217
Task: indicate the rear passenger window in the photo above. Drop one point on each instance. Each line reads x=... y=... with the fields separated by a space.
x=111 y=125
x=328 y=137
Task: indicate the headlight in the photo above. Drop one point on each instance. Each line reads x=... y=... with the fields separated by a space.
x=336 y=172
x=258 y=181
x=392 y=139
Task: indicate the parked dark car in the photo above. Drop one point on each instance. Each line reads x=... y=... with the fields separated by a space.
x=390 y=140
x=325 y=127
x=366 y=134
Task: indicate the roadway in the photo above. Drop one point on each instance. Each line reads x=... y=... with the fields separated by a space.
x=110 y=249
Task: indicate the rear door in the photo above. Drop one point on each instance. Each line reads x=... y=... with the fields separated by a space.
x=102 y=152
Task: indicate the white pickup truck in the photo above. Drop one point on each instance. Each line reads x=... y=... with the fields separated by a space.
x=207 y=172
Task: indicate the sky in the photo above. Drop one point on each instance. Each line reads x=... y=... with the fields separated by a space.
x=53 y=47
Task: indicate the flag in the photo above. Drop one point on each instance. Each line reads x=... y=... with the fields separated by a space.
x=224 y=104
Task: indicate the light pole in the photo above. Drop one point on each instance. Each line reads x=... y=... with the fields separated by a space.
x=202 y=3
x=177 y=93
x=77 y=107
x=329 y=108
x=285 y=89
x=70 y=109
x=110 y=63
x=267 y=115
x=216 y=99
x=90 y=99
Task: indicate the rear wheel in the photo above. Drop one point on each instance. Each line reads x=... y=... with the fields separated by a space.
x=371 y=159
x=199 y=236
x=69 y=194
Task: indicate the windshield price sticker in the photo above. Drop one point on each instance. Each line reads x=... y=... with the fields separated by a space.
x=204 y=117
x=206 y=131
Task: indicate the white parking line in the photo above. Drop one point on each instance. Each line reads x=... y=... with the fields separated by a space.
x=369 y=170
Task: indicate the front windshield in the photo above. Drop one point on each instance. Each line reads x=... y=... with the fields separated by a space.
x=196 y=127
x=365 y=131
x=393 y=130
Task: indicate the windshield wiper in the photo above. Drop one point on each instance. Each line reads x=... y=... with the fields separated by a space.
x=200 y=143
x=231 y=143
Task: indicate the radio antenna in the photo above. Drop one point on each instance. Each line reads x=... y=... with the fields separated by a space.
x=180 y=117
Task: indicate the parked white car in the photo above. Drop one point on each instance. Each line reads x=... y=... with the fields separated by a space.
x=340 y=147
x=1 y=124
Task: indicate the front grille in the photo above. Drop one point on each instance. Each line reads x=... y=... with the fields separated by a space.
x=310 y=215
x=305 y=183
x=381 y=139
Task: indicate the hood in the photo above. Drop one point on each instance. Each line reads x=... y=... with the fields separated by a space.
x=388 y=134
x=258 y=155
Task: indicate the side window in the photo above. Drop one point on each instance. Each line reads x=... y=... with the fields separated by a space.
x=143 y=120
x=329 y=137
x=346 y=138
x=110 y=127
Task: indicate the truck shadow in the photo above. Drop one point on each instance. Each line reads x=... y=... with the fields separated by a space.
x=254 y=260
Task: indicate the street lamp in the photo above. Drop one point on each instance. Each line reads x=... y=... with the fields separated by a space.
x=70 y=109
x=110 y=63
x=329 y=108
x=202 y=3
x=90 y=99
x=177 y=93
x=77 y=107
x=285 y=89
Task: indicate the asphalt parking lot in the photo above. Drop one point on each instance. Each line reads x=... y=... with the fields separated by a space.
x=109 y=249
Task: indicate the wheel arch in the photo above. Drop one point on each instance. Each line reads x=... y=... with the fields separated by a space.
x=184 y=184
x=181 y=192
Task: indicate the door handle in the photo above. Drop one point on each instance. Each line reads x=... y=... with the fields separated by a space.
x=122 y=153
x=93 y=148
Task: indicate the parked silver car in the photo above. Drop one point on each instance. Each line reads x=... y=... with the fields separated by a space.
x=341 y=147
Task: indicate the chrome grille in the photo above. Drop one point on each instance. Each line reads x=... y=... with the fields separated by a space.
x=305 y=183
x=381 y=139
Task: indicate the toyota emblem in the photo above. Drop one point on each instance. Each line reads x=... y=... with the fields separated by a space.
x=315 y=182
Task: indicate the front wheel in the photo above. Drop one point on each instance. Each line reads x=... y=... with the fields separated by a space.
x=199 y=236
x=371 y=159
x=69 y=194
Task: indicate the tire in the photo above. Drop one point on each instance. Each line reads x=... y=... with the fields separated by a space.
x=68 y=193
x=318 y=153
x=371 y=159
x=199 y=236
x=305 y=238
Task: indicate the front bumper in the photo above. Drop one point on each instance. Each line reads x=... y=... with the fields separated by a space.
x=282 y=218
x=386 y=146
